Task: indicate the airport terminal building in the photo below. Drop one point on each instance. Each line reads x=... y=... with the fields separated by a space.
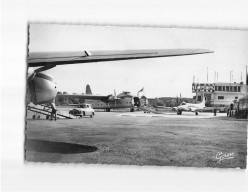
x=219 y=94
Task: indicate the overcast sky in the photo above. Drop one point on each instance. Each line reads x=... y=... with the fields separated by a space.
x=159 y=76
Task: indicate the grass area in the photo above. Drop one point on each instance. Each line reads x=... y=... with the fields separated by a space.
x=160 y=141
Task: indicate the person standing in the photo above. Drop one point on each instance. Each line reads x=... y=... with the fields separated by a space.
x=54 y=111
x=215 y=111
x=228 y=112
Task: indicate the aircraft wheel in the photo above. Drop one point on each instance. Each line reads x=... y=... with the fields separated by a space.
x=84 y=113
x=47 y=117
x=196 y=113
x=91 y=116
x=132 y=109
x=93 y=113
x=38 y=117
x=34 y=116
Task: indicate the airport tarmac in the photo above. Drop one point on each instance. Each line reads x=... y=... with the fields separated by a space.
x=125 y=138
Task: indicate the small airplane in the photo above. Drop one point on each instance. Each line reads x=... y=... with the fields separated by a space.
x=123 y=100
x=42 y=88
x=190 y=107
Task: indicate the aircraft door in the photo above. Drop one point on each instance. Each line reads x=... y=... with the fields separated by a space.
x=136 y=101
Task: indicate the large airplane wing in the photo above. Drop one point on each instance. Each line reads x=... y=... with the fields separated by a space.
x=86 y=96
x=51 y=59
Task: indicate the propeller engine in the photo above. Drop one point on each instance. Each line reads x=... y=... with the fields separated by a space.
x=113 y=98
x=42 y=88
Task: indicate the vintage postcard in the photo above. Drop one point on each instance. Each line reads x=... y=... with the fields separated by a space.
x=140 y=96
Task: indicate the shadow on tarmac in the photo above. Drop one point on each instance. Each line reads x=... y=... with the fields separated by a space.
x=57 y=147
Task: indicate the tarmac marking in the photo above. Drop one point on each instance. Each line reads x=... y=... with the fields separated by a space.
x=167 y=116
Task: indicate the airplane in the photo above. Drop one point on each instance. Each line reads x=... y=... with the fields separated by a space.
x=42 y=88
x=122 y=100
x=190 y=107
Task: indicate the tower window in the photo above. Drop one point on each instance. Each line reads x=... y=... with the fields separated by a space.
x=220 y=97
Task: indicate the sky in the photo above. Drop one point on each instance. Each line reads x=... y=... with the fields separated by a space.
x=160 y=77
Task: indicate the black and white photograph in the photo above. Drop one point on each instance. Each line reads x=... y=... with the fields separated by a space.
x=124 y=96
x=145 y=96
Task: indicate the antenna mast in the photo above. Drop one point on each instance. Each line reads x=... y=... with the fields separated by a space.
x=207 y=74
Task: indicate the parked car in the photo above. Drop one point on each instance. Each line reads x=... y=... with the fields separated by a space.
x=83 y=110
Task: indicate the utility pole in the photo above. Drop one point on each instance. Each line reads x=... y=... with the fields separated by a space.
x=246 y=77
x=207 y=74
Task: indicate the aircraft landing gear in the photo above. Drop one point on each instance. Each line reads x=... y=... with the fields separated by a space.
x=196 y=113
x=108 y=110
x=179 y=112
x=36 y=116
x=131 y=109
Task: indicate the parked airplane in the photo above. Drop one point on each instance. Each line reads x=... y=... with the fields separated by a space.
x=190 y=107
x=122 y=100
x=41 y=88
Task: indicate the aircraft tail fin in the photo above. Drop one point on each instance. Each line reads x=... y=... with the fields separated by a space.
x=88 y=90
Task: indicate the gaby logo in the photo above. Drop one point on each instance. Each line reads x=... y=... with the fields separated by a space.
x=222 y=156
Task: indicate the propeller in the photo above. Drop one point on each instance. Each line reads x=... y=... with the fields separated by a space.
x=114 y=97
x=32 y=72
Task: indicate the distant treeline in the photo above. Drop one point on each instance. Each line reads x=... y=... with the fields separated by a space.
x=59 y=101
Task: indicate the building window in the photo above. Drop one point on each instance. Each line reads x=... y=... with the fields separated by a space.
x=215 y=88
x=238 y=88
x=227 y=88
x=235 y=89
x=220 y=97
x=199 y=98
x=224 y=88
x=219 y=88
x=231 y=88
